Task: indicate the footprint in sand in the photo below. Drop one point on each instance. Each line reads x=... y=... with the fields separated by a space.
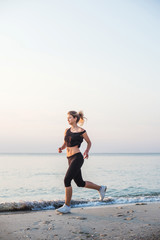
x=120 y=215
x=81 y=218
x=141 y=204
x=129 y=218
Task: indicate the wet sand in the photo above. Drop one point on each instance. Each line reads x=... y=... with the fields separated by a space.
x=123 y=222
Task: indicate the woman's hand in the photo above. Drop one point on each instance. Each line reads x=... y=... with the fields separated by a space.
x=85 y=154
x=85 y=136
x=60 y=150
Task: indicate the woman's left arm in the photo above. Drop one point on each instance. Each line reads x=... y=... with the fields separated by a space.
x=85 y=136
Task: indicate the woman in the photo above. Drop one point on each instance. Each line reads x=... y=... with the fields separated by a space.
x=73 y=138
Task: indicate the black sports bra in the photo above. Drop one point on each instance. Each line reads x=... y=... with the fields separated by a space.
x=73 y=138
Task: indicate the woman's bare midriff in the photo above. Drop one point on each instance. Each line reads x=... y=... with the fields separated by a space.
x=72 y=150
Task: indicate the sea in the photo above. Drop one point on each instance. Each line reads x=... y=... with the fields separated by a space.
x=34 y=182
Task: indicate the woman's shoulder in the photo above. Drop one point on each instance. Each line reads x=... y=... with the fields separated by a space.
x=82 y=130
x=66 y=130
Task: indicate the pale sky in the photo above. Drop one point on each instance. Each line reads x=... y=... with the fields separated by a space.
x=102 y=57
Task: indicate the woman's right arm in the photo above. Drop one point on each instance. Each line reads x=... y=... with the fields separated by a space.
x=64 y=144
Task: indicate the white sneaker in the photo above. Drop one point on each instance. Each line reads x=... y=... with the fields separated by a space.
x=64 y=209
x=102 y=192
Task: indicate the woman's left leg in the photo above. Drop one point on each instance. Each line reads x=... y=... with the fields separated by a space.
x=81 y=183
x=92 y=185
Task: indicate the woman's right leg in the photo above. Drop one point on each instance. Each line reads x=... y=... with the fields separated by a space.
x=73 y=169
x=68 y=195
x=68 y=190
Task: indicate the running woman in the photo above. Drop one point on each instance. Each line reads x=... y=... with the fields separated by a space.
x=73 y=137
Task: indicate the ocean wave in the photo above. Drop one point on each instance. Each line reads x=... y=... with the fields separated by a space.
x=48 y=205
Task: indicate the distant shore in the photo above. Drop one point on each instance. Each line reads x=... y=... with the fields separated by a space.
x=136 y=221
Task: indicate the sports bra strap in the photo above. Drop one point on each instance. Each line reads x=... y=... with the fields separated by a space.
x=83 y=132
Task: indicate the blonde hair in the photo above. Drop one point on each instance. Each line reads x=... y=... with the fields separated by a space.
x=79 y=115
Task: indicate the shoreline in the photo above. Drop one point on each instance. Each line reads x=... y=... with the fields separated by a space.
x=80 y=207
x=54 y=204
x=124 y=221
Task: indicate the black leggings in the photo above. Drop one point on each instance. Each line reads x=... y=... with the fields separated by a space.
x=74 y=171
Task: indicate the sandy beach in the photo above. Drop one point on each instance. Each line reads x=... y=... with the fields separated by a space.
x=136 y=221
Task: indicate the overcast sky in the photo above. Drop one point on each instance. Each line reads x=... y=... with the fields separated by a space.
x=102 y=57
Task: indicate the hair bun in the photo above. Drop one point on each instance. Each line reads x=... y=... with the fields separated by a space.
x=81 y=114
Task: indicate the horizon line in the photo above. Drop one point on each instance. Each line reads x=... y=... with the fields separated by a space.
x=90 y=153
